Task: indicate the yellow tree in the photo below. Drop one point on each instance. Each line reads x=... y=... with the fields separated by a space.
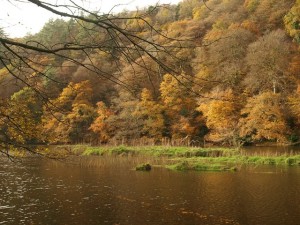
x=263 y=118
x=187 y=7
x=74 y=93
x=78 y=122
x=294 y=105
x=221 y=112
x=152 y=114
x=21 y=118
x=69 y=116
x=179 y=105
x=292 y=21
x=100 y=126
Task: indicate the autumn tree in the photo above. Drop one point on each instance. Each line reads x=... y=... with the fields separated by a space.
x=76 y=38
x=102 y=87
x=101 y=77
x=221 y=109
x=179 y=106
x=151 y=113
x=166 y=14
x=206 y=11
x=78 y=122
x=8 y=85
x=292 y=21
x=263 y=118
x=186 y=8
x=124 y=125
x=268 y=59
x=68 y=117
x=294 y=103
x=142 y=74
x=223 y=59
x=100 y=126
x=268 y=14
x=20 y=120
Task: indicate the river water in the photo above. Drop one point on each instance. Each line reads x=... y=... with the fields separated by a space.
x=107 y=191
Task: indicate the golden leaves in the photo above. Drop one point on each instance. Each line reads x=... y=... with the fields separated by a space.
x=263 y=118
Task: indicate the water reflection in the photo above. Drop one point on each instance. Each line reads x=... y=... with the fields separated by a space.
x=108 y=191
x=271 y=150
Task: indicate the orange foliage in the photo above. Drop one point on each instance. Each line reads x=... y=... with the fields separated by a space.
x=179 y=106
x=263 y=118
x=221 y=113
x=294 y=103
x=69 y=116
x=251 y=26
x=100 y=125
x=151 y=113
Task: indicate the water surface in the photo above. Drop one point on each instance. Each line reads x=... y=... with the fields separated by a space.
x=108 y=191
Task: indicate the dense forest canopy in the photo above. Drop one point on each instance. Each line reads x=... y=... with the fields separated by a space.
x=225 y=72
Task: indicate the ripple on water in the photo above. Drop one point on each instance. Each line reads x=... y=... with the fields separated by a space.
x=112 y=195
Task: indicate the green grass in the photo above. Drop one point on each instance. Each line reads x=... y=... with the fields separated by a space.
x=228 y=163
x=242 y=160
x=185 y=166
x=160 y=151
x=118 y=150
x=192 y=158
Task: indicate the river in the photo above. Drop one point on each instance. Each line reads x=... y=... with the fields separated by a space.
x=107 y=191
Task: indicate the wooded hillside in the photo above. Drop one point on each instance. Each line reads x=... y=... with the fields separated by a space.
x=233 y=77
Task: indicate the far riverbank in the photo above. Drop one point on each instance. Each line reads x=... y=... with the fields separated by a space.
x=191 y=158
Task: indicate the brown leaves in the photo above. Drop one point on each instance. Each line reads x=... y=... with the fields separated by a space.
x=263 y=118
x=221 y=113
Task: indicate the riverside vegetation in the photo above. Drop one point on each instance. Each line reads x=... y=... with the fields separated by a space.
x=192 y=158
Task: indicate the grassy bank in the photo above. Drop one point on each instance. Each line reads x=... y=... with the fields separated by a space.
x=188 y=165
x=160 y=151
x=231 y=163
x=190 y=158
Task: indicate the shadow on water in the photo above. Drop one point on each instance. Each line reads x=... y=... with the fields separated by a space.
x=107 y=190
